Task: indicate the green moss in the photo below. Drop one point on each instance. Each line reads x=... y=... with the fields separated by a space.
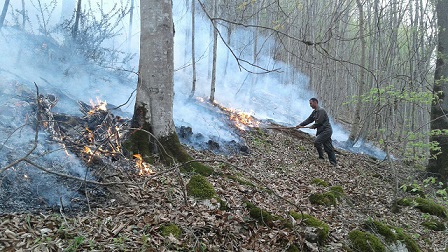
x=310 y=221
x=392 y=234
x=240 y=180
x=434 y=224
x=410 y=243
x=170 y=228
x=262 y=216
x=222 y=204
x=405 y=202
x=200 y=188
x=293 y=248
x=381 y=229
x=430 y=207
x=319 y=182
x=325 y=199
x=366 y=242
x=337 y=191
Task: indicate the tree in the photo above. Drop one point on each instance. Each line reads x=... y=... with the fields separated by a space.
x=439 y=109
x=4 y=11
x=153 y=112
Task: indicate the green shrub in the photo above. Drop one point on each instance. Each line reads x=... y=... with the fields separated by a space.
x=325 y=199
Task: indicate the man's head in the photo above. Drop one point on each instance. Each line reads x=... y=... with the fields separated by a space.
x=314 y=103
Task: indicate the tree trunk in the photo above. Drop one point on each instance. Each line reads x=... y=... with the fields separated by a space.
x=439 y=109
x=131 y=19
x=76 y=25
x=356 y=126
x=4 y=11
x=154 y=130
x=215 y=52
x=193 y=57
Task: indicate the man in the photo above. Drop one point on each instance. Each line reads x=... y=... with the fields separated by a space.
x=322 y=124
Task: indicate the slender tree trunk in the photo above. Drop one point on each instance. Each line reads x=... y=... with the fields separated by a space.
x=215 y=52
x=356 y=126
x=439 y=109
x=193 y=54
x=4 y=11
x=77 y=17
x=131 y=19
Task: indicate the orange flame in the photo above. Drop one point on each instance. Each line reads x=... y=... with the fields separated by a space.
x=144 y=167
x=98 y=106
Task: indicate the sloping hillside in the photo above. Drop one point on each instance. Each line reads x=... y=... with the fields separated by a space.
x=258 y=206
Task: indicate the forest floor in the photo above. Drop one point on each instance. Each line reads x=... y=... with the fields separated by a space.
x=276 y=175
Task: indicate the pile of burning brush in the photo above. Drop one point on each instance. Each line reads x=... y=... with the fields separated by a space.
x=95 y=137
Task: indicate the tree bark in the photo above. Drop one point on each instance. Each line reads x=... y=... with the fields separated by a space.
x=77 y=17
x=439 y=109
x=356 y=126
x=4 y=11
x=215 y=52
x=193 y=57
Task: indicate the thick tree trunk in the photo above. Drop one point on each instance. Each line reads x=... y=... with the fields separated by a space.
x=4 y=11
x=153 y=112
x=439 y=109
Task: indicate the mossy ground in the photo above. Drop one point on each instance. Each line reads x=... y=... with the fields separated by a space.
x=392 y=234
x=365 y=241
x=200 y=188
x=166 y=230
x=323 y=228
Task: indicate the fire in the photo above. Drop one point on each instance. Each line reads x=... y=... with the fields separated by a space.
x=99 y=105
x=243 y=120
x=87 y=150
x=144 y=167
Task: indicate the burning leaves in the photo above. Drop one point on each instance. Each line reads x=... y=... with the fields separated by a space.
x=145 y=168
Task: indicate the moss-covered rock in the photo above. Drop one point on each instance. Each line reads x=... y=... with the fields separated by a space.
x=323 y=229
x=392 y=234
x=262 y=216
x=365 y=241
x=166 y=230
x=325 y=199
x=319 y=182
x=200 y=188
x=430 y=207
x=434 y=224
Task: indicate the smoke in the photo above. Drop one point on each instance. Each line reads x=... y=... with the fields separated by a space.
x=281 y=95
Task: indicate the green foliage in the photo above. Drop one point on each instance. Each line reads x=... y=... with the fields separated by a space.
x=319 y=182
x=200 y=188
x=430 y=207
x=337 y=191
x=405 y=202
x=311 y=221
x=366 y=242
x=166 y=230
x=75 y=244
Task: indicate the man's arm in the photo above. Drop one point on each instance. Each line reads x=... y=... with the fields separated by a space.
x=309 y=120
